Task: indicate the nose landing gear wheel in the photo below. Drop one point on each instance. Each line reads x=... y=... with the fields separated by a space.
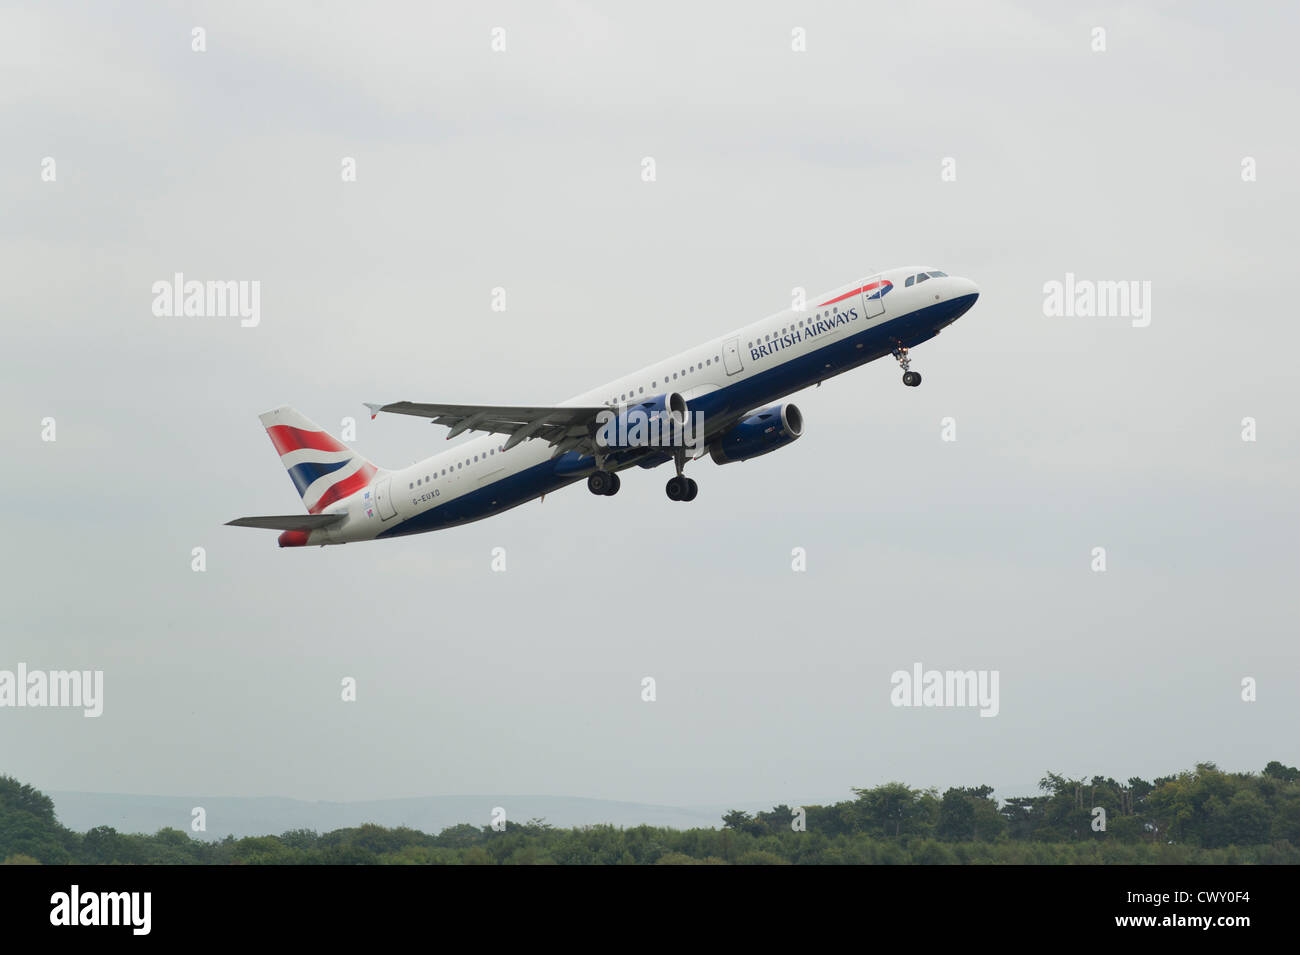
x=910 y=378
x=681 y=488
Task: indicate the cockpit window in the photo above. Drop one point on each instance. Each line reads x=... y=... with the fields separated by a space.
x=922 y=276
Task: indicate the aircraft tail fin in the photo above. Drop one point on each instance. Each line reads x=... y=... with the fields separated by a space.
x=322 y=468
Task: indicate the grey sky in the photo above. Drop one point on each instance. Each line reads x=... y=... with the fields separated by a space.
x=775 y=169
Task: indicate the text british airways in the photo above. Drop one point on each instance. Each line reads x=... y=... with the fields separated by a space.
x=811 y=330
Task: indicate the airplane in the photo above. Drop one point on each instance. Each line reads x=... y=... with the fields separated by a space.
x=723 y=398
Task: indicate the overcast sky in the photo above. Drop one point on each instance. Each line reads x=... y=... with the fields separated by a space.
x=775 y=169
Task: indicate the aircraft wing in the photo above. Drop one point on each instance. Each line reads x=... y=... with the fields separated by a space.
x=565 y=429
x=289 y=522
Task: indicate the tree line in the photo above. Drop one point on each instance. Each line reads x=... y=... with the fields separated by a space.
x=1203 y=816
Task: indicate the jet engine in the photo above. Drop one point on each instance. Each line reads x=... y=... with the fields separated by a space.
x=763 y=431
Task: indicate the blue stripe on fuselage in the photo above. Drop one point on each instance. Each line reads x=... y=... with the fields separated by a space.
x=763 y=388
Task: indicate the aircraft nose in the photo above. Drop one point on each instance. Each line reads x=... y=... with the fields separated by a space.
x=963 y=294
x=963 y=288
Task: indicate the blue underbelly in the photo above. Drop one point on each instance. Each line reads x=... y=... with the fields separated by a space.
x=760 y=389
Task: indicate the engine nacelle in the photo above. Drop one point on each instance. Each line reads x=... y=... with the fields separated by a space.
x=761 y=432
x=653 y=422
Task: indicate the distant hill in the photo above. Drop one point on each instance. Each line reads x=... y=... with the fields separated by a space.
x=256 y=816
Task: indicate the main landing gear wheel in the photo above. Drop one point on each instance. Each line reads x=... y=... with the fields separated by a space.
x=910 y=378
x=681 y=488
x=604 y=483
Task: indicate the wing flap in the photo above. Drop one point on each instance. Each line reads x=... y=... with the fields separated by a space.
x=520 y=423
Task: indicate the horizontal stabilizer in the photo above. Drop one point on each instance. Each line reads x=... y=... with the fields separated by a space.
x=289 y=522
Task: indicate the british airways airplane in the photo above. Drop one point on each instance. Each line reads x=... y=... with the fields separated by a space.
x=720 y=398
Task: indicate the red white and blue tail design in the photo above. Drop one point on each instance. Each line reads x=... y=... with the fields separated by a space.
x=322 y=468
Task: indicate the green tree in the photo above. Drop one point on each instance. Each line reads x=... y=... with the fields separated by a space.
x=741 y=821
x=894 y=809
x=1287 y=774
x=969 y=813
x=1244 y=821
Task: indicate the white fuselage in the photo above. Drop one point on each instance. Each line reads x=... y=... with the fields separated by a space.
x=755 y=364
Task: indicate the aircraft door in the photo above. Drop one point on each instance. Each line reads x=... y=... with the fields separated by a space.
x=384 y=499
x=873 y=296
x=731 y=356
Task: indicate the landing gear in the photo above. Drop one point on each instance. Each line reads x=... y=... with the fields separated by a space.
x=910 y=378
x=604 y=483
x=681 y=488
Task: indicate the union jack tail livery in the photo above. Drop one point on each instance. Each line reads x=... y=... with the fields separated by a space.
x=322 y=468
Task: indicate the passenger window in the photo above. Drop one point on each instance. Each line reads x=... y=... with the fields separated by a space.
x=410 y=487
